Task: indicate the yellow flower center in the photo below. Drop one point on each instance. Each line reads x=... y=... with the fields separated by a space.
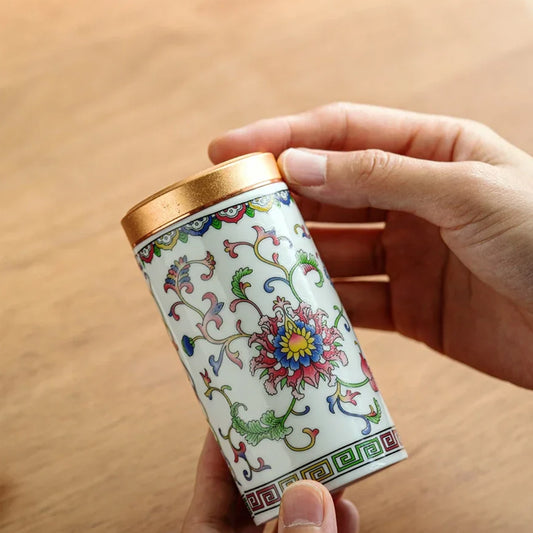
x=296 y=342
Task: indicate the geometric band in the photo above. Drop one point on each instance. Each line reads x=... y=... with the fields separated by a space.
x=326 y=468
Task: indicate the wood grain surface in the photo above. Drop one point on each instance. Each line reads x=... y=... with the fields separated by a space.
x=103 y=103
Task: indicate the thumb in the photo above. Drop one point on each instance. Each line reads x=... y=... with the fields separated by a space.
x=443 y=193
x=307 y=507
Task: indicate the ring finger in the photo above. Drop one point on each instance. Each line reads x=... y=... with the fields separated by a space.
x=350 y=251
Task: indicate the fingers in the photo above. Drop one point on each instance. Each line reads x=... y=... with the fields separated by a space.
x=445 y=194
x=350 y=251
x=367 y=303
x=320 y=212
x=214 y=497
x=307 y=507
x=346 y=126
x=354 y=252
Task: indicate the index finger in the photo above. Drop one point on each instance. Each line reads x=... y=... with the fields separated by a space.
x=346 y=126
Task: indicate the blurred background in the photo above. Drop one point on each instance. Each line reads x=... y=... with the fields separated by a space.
x=101 y=104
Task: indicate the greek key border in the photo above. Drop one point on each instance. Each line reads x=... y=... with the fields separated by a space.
x=326 y=468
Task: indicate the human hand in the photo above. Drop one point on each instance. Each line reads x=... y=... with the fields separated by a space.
x=217 y=507
x=457 y=244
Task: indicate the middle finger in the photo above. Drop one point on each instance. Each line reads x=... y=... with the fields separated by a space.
x=322 y=212
x=350 y=251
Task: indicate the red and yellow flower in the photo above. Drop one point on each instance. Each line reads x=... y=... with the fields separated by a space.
x=296 y=346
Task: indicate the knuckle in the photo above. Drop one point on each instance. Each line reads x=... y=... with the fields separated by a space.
x=477 y=138
x=480 y=133
x=480 y=178
x=473 y=171
x=371 y=164
x=334 y=120
x=475 y=127
x=466 y=138
x=336 y=107
x=335 y=114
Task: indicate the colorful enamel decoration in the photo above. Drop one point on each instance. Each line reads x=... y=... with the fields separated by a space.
x=262 y=334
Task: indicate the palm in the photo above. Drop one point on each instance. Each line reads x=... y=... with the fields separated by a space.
x=437 y=300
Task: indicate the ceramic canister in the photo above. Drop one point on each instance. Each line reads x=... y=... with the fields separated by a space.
x=260 y=330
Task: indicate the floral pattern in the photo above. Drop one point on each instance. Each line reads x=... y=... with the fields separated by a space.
x=201 y=225
x=296 y=346
x=292 y=347
x=197 y=227
x=232 y=214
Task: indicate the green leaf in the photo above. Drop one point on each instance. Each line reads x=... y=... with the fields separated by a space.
x=283 y=382
x=337 y=344
x=217 y=224
x=183 y=237
x=250 y=211
x=264 y=373
x=269 y=426
x=377 y=410
x=238 y=288
x=309 y=262
x=157 y=250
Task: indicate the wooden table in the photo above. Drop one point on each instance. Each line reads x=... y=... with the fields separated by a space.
x=102 y=103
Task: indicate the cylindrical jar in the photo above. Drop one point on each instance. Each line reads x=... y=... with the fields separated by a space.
x=259 y=328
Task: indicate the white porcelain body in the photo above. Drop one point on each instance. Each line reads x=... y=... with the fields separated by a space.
x=268 y=348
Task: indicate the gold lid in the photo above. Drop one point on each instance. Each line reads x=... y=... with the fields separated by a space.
x=197 y=192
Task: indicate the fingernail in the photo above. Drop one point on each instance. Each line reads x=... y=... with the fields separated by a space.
x=302 y=505
x=303 y=167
